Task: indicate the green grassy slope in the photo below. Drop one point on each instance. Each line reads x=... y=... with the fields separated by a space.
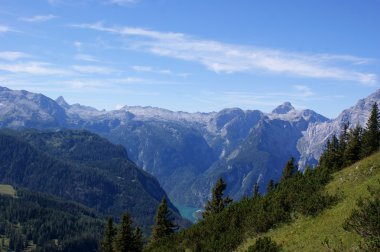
x=309 y=234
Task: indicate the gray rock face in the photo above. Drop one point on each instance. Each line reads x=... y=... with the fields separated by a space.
x=20 y=109
x=188 y=152
x=283 y=108
x=313 y=140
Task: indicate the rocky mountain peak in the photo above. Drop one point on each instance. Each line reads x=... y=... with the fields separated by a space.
x=4 y=89
x=283 y=108
x=375 y=95
x=61 y=102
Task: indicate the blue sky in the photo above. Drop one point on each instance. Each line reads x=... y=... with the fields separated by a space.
x=193 y=55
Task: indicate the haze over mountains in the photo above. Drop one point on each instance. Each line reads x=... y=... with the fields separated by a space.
x=187 y=152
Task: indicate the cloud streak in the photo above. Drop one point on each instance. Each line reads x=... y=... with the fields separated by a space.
x=86 y=57
x=39 y=18
x=298 y=94
x=13 y=55
x=122 y=2
x=149 y=69
x=228 y=58
x=90 y=69
x=4 y=29
x=33 y=68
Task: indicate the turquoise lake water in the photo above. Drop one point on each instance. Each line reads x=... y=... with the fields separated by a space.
x=187 y=212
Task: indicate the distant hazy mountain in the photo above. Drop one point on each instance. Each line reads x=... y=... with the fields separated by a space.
x=24 y=109
x=187 y=152
x=80 y=166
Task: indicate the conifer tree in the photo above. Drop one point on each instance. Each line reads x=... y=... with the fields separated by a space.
x=332 y=158
x=270 y=186
x=138 y=238
x=163 y=225
x=256 y=192
x=371 y=135
x=289 y=170
x=217 y=202
x=109 y=234
x=324 y=160
x=343 y=141
x=336 y=154
x=352 y=151
x=125 y=239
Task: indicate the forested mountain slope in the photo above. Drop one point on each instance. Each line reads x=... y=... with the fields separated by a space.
x=80 y=166
x=41 y=222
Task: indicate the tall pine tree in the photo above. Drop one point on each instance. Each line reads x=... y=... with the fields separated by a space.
x=217 y=202
x=163 y=225
x=138 y=239
x=343 y=141
x=352 y=151
x=109 y=234
x=256 y=192
x=270 y=185
x=332 y=158
x=371 y=135
x=127 y=239
x=289 y=170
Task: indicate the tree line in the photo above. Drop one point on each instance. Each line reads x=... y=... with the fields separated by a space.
x=352 y=145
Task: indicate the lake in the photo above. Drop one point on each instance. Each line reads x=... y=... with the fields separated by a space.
x=187 y=212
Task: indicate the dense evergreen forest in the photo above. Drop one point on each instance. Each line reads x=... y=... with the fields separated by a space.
x=42 y=222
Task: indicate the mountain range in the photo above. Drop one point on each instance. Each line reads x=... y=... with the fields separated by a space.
x=188 y=152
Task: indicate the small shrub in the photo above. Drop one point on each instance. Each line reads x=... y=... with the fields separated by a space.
x=264 y=244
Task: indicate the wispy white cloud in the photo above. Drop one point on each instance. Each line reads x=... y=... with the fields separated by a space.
x=297 y=95
x=103 y=84
x=227 y=58
x=4 y=29
x=86 y=57
x=54 y=2
x=38 y=18
x=84 y=84
x=149 y=69
x=155 y=70
x=145 y=81
x=347 y=58
x=34 y=68
x=89 y=69
x=12 y=55
x=130 y=80
x=303 y=91
x=78 y=45
x=122 y=2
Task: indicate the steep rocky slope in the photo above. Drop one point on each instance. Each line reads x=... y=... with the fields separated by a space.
x=311 y=144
